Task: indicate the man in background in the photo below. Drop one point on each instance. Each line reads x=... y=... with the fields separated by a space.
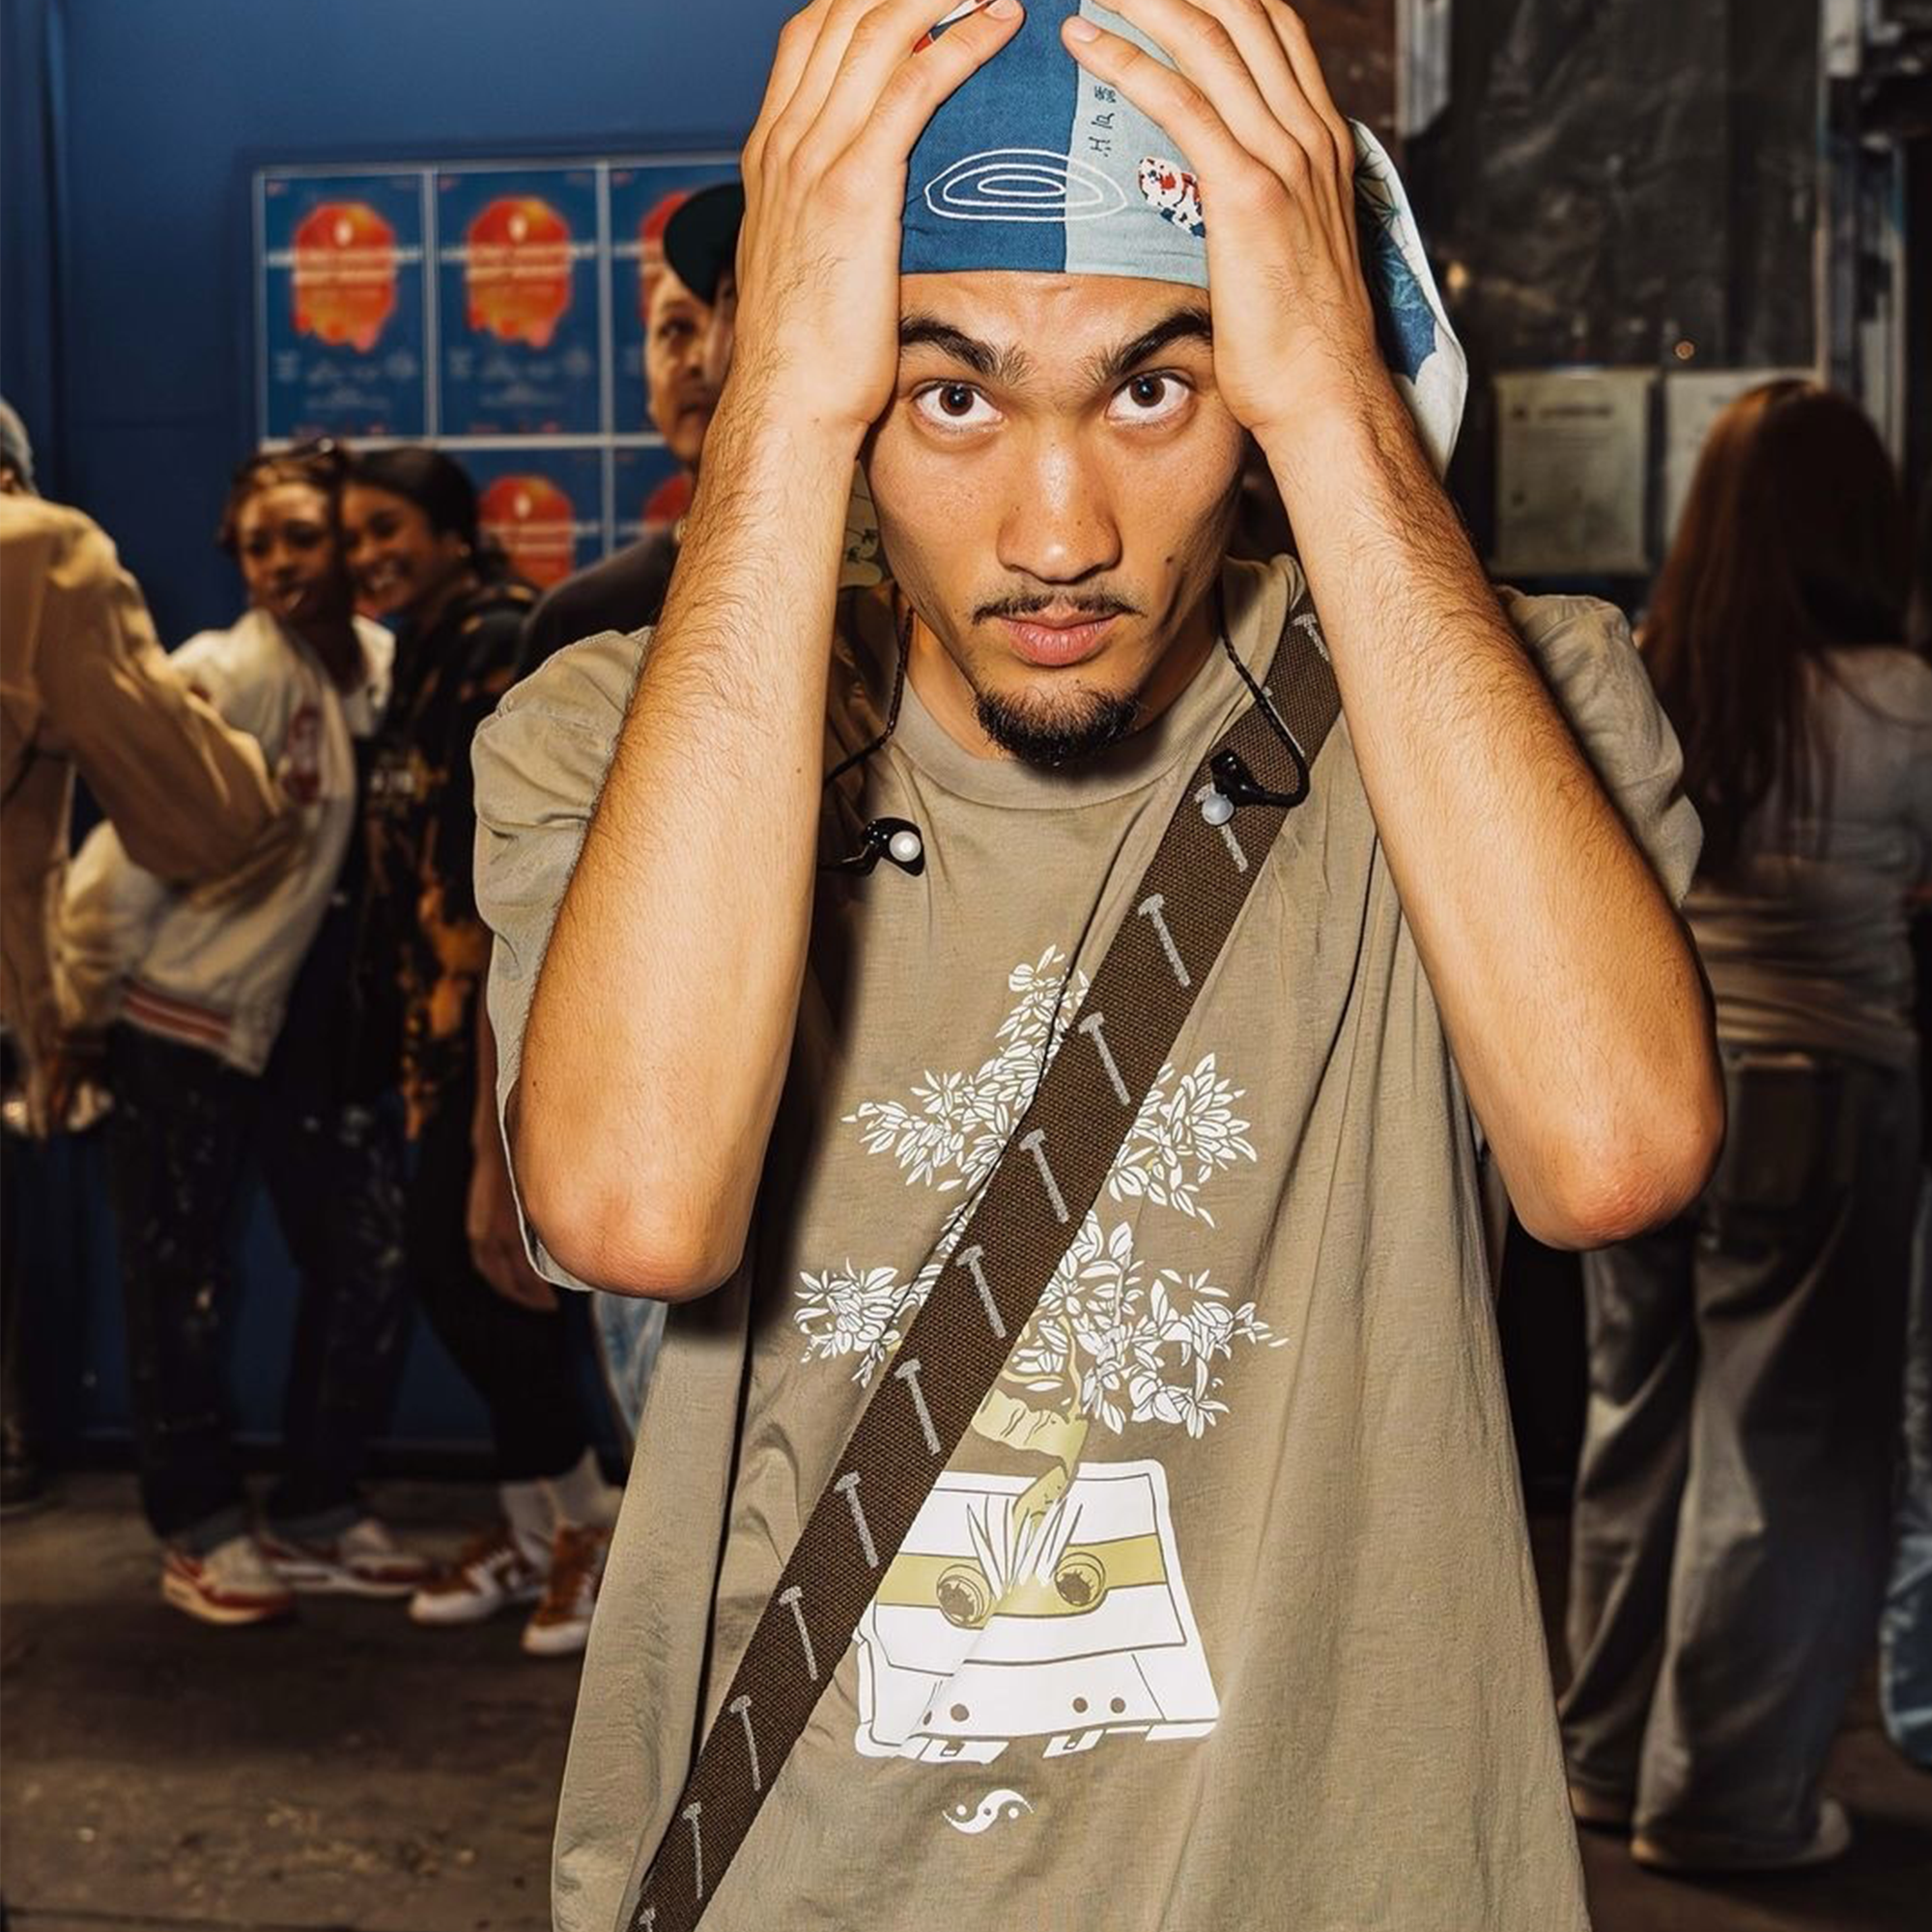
x=689 y=298
x=85 y=687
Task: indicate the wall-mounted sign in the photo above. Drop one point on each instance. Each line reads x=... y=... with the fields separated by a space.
x=1573 y=468
x=340 y=305
x=494 y=310
x=519 y=317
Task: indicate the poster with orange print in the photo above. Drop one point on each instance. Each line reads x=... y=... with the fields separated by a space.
x=542 y=507
x=650 y=490
x=516 y=301
x=341 y=304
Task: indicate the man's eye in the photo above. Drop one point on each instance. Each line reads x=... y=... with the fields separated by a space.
x=1146 y=399
x=955 y=405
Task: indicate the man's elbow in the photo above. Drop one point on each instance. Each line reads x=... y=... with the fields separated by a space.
x=603 y=1234
x=1610 y=1184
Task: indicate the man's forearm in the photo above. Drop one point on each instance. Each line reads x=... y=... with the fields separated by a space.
x=1571 y=996
x=662 y=1020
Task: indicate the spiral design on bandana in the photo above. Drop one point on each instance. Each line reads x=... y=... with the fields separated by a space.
x=1023 y=185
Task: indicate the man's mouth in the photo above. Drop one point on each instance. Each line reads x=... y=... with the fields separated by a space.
x=1056 y=639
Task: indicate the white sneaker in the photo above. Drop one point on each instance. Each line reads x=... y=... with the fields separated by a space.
x=364 y=1561
x=561 y=1624
x=493 y=1571
x=232 y=1583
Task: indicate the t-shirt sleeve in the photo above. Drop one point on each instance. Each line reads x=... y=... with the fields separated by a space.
x=1586 y=654
x=540 y=763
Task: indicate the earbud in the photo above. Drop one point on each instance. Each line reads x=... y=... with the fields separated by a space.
x=894 y=839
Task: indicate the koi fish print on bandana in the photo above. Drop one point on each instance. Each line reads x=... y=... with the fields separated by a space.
x=1171 y=192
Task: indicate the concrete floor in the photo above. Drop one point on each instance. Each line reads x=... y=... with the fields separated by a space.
x=350 y=1773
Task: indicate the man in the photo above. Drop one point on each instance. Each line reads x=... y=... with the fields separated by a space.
x=687 y=297
x=84 y=686
x=1220 y=1614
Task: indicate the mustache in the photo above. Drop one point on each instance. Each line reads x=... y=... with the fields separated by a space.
x=1029 y=604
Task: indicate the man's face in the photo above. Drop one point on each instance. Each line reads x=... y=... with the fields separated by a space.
x=683 y=395
x=1056 y=481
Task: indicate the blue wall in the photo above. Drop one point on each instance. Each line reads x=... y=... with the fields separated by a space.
x=128 y=129
x=163 y=105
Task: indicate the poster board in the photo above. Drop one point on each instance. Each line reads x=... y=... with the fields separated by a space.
x=1572 y=472
x=492 y=307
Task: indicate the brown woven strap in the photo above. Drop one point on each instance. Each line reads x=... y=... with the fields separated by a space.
x=1048 y=1175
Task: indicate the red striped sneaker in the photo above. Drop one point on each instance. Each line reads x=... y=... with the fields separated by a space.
x=364 y=1561
x=232 y=1583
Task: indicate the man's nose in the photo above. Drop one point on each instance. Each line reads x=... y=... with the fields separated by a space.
x=1060 y=525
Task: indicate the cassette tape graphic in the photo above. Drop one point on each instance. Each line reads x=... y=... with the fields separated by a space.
x=1064 y=1629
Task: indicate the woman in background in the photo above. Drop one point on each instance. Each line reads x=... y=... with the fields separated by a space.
x=197 y=996
x=410 y=536
x=1734 y=1498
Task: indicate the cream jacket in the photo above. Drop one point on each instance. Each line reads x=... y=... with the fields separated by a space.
x=85 y=686
x=132 y=946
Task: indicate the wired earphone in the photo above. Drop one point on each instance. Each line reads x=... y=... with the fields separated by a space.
x=901 y=842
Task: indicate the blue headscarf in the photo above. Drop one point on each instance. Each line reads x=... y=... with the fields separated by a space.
x=1035 y=164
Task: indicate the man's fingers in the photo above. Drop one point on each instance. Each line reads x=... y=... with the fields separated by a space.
x=796 y=41
x=1247 y=78
x=895 y=79
x=830 y=35
x=1235 y=49
x=1292 y=33
x=1177 y=106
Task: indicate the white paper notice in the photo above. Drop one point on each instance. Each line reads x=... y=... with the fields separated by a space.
x=1693 y=401
x=1571 y=467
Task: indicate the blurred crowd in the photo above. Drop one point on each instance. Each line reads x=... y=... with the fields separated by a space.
x=265 y=958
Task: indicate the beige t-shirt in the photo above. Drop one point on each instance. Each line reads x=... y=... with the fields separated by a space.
x=1222 y=1614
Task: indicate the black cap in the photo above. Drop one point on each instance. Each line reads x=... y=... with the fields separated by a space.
x=700 y=239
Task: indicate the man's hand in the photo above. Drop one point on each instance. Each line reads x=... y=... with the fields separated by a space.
x=495 y=1242
x=1294 y=332
x=825 y=167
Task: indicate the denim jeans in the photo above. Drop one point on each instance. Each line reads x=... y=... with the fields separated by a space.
x=1905 y=1632
x=1733 y=1502
x=185 y=1131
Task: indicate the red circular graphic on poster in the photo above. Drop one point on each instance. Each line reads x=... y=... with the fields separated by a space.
x=533 y=521
x=669 y=501
x=517 y=270
x=345 y=275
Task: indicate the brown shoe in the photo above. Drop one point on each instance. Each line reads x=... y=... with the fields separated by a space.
x=560 y=1626
x=492 y=1571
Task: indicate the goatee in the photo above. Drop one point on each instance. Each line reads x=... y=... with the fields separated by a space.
x=1050 y=734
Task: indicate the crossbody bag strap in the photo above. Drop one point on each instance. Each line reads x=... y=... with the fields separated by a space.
x=1048 y=1176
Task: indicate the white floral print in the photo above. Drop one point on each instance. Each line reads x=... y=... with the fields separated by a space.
x=1113 y=1340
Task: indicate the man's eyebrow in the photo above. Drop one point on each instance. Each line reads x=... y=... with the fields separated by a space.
x=1007 y=365
x=1191 y=324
